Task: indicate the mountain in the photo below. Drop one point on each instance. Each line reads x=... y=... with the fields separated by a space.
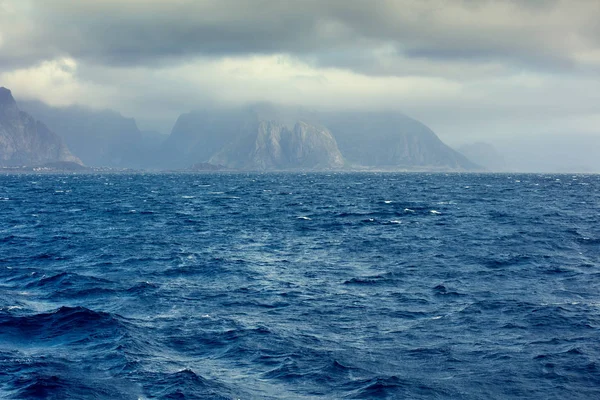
x=25 y=141
x=198 y=135
x=485 y=155
x=100 y=138
x=392 y=141
x=259 y=136
x=273 y=146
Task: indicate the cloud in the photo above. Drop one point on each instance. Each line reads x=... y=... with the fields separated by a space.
x=465 y=67
x=535 y=34
x=165 y=92
x=54 y=82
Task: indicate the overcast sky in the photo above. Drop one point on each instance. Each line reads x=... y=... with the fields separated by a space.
x=471 y=70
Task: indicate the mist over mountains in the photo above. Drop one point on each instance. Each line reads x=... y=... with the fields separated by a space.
x=484 y=154
x=25 y=140
x=252 y=137
x=265 y=136
x=100 y=138
x=522 y=77
x=258 y=137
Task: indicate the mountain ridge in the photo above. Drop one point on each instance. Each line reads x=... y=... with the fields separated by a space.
x=261 y=136
x=101 y=138
x=389 y=141
x=27 y=141
x=274 y=146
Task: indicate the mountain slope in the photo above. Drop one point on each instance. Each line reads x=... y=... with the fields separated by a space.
x=273 y=145
x=366 y=140
x=198 y=135
x=392 y=140
x=25 y=141
x=101 y=138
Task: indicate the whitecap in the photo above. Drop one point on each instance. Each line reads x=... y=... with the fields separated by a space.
x=187 y=197
x=435 y=212
x=304 y=218
x=395 y=221
x=387 y=201
x=408 y=210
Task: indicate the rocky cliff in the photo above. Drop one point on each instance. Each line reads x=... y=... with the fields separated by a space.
x=274 y=146
x=199 y=135
x=392 y=141
x=266 y=136
x=25 y=141
x=102 y=138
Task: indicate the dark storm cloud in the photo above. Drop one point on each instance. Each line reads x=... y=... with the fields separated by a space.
x=539 y=34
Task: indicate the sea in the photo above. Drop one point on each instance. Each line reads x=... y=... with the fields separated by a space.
x=299 y=286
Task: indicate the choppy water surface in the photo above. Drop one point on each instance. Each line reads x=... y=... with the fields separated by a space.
x=300 y=286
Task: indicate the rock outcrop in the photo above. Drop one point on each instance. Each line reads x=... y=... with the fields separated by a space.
x=269 y=137
x=392 y=141
x=199 y=135
x=274 y=146
x=26 y=141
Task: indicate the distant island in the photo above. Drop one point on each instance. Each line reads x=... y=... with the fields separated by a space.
x=259 y=137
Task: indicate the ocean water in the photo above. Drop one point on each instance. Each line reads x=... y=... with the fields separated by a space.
x=300 y=286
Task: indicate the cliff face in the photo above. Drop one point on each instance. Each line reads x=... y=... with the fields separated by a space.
x=274 y=146
x=392 y=140
x=102 y=138
x=25 y=141
x=312 y=147
x=266 y=136
x=199 y=135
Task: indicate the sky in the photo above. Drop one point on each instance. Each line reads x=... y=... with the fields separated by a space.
x=472 y=70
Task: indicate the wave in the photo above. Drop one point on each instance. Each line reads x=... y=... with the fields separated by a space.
x=50 y=386
x=386 y=278
x=186 y=384
x=72 y=323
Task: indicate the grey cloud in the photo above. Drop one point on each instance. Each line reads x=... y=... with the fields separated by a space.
x=468 y=68
x=539 y=34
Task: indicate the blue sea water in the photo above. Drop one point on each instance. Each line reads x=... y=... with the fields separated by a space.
x=300 y=286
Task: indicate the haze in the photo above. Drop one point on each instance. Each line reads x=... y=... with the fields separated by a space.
x=523 y=76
